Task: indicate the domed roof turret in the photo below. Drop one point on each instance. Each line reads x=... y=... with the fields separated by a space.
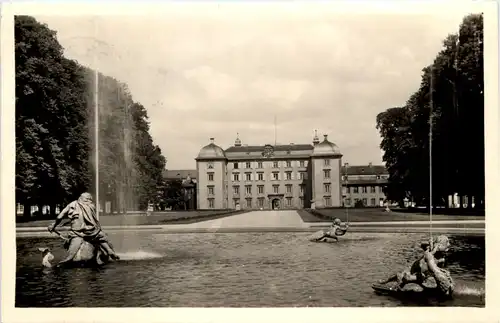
x=326 y=148
x=237 y=142
x=211 y=151
x=315 y=139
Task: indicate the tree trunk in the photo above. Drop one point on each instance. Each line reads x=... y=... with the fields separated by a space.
x=52 y=210
x=26 y=210
x=469 y=202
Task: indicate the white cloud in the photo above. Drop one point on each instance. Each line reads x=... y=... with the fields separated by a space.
x=212 y=75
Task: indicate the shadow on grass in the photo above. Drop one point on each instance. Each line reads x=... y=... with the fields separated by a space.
x=374 y=215
x=200 y=218
x=155 y=218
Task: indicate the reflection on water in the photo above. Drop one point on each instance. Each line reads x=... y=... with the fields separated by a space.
x=241 y=269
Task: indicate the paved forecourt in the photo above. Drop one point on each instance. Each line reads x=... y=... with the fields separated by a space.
x=286 y=221
x=253 y=219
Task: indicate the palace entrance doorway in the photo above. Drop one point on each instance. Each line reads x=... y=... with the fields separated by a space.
x=276 y=201
x=276 y=204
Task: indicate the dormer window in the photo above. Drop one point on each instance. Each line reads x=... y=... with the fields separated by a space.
x=210 y=165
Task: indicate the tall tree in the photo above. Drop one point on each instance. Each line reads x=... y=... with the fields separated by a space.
x=452 y=88
x=55 y=130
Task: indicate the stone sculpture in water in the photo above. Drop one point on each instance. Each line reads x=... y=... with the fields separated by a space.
x=47 y=257
x=86 y=241
x=336 y=229
x=427 y=273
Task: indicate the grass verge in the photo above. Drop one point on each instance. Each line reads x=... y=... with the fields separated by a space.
x=374 y=215
x=158 y=218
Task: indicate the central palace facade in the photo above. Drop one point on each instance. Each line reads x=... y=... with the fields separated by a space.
x=290 y=176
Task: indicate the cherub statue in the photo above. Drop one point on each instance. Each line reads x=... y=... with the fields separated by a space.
x=336 y=229
x=427 y=269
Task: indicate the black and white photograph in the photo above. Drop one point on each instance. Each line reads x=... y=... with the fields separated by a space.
x=249 y=155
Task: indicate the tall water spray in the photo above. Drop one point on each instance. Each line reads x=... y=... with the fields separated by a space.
x=96 y=139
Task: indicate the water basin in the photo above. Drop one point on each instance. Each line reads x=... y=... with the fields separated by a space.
x=241 y=270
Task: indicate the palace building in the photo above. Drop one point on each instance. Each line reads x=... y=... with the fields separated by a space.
x=364 y=185
x=290 y=176
x=293 y=176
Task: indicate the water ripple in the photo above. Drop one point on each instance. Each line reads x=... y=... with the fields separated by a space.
x=244 y=269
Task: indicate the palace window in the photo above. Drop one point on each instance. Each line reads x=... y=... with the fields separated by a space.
x=261 y=201
x=248 y=177
x=364 y=202
x=260 y=189
x=211 y=203
x=373 y=190
x=328 y=201
x=275 y=164
x=249 y=202
x=289 y=201
x=210 y=190
x=301 y=201
x=288 y=164
x=210 y=177
x=355 y=189
x=327 y=188
x=235 y=165
x=248 y=189
x=347 y=201
x=288 y=176
x=236 y=177
x=363 y=189
x=302 y=163
x=276 y=189
x=302 y=188
x=236 y=190
x=326 y=173
x=302 y=175
x=289 y=188
x=210 y=165
x=259 y=165
x=373 y=201
x=327 y=162
x=248 y=165
x=260 y=176
x=347 y=190
x=275 y=176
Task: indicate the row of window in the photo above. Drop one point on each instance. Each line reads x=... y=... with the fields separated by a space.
x=289 y=201
x=275 y=176
x=373 y=202
x=346 y=178
x=260 y=202
x=326 y=189
x=276 y=189
x=260 y=189
x=276 y=164
x=363 y=189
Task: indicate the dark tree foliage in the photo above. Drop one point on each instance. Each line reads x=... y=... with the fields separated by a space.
x=457 y=98
x=55 y=136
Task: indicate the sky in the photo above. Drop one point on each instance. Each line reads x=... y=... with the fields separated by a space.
x=218 y=71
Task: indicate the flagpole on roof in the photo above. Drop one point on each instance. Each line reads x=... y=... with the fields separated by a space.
x=275 y=131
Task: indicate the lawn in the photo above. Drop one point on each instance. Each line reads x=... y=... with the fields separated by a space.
x=156 y=218
x=374 y=215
